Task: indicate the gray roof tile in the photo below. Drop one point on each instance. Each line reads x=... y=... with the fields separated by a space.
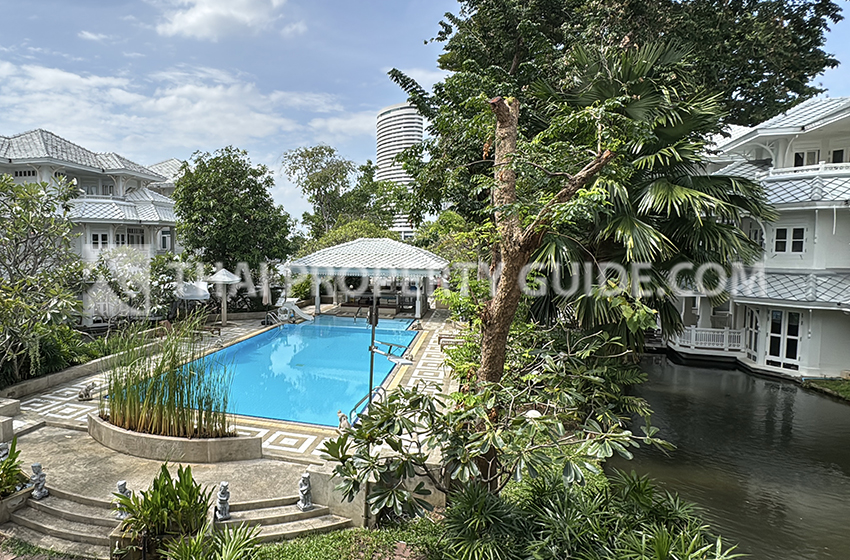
x=803 y=288
x=378 y=255
x=806 y=113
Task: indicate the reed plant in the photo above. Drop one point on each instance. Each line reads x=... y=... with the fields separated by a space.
x=174 y=391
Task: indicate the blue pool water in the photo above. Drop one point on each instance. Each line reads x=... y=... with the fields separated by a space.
x=306 y=372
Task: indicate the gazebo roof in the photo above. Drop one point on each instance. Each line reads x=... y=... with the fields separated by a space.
x=371 y=257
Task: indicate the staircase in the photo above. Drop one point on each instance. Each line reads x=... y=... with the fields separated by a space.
x=80 y=526
x=279 y=518
x=65 y=522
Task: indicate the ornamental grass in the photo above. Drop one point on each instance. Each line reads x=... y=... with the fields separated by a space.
x=173 y=391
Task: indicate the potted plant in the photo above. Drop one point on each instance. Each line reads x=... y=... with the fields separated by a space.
x=170 y=509
x=14 y=487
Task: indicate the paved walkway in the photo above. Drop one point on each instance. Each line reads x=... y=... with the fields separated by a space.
x=288 y=440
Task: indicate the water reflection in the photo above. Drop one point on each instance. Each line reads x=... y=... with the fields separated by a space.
x=768 y=461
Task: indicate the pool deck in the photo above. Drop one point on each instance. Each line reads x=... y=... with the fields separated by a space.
x=290 y=441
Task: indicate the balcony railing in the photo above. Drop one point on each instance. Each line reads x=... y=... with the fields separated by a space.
x=822 y=168
x=709 y=339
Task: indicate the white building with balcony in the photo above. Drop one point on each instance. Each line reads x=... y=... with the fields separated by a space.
x=797 y=320
x=114 y=208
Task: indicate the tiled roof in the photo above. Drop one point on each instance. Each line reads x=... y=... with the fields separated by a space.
x=42 y=144
x=140 y=205
x=804 y=288
x=747 y=169
x=806 y=113
x=170 y=169
x=374 y=256
x=810 y=189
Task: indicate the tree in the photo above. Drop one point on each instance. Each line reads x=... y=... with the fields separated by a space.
x=40 y=274
x=760 y=56
x=226 y=212
x=325 y=178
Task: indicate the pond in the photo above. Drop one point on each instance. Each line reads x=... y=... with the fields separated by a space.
x=768 y=461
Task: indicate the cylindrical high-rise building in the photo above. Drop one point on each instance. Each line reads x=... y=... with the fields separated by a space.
x=399 y=127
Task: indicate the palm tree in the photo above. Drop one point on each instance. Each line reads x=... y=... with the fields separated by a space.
x=659 y=205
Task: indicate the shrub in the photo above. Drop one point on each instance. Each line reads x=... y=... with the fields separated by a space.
x=169 y=507
x=228 y=543
x=174 y=392
x=10 y=471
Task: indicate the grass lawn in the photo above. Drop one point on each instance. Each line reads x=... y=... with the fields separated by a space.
x=838 y=387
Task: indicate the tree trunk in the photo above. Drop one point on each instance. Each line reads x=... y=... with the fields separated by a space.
x=498 y=313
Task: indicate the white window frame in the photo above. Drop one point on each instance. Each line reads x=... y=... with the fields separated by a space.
x=790 y=239
x=782 y=338
x=165 y=240
x=99 y=240
x=809 y=156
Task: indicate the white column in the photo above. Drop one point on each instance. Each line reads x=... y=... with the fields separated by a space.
x=704 y=320
x=318 y=301
x=418 y=314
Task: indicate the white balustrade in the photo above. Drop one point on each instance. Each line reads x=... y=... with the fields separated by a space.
x=709 y=339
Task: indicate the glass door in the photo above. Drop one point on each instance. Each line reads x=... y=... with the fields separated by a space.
x=751 y=333
x=783 y=346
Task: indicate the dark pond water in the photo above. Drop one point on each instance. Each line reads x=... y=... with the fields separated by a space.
x=768 y=461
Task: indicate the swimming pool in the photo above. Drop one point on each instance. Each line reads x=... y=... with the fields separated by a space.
x=306 y=372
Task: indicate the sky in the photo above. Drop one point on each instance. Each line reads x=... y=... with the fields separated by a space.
x=156 y=79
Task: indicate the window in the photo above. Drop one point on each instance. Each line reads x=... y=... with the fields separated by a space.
x=25 y=173
x=756 y=234
x=165 y=241
x=107 y=189
x=752 y=333
x=90 y=189
x=135 y=236
x=837 y=156
x=809 y=157
x=99 y=241
x=798 y=238
x=120 y=239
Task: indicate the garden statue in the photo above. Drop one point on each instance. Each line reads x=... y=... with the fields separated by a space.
x=344 y=424
x=4 y=451
x=122 y=489
x=222 y=508
x=37 y=480
x=85 y=393
x=305 y=500
x=417 y=325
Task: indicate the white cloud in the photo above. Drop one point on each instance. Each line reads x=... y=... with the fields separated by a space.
x=334 y=130
x=133 y=54
x=293 y=29
x=89 y=36
x=213 y=19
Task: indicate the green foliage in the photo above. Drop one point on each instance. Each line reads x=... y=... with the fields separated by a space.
x=230 y=542
x=10 y=471
x=561 y=408
x=835 y=387
x=39 y=271
x=226 y=213
x=628 y=518
x=174 y=392
x=325 y=178
x=170 y=506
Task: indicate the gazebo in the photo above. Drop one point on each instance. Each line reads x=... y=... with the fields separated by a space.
x=373 y=258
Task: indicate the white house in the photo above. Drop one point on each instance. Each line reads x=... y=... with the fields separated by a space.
x=797 y=321
x=114 y=208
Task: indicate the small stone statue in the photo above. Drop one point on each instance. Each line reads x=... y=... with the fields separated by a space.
x=37 y=480
x=122 y=489
x=417 y=325
x=305 y=500
x=86 y=393
x=4 y=451
x=344 y=424
x=222 y=508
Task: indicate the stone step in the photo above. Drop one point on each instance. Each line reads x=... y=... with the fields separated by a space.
x=74 y=511
x=104 y=503
x=47 y=524
x=260 y=504
x=56 y=544
x=294 y=529
x=274 y=515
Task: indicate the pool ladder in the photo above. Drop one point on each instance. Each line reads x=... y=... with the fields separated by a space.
x=379 y=394
x=357 y=313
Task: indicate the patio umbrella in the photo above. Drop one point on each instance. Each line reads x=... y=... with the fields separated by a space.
x=267 y=290
x=225 y=277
